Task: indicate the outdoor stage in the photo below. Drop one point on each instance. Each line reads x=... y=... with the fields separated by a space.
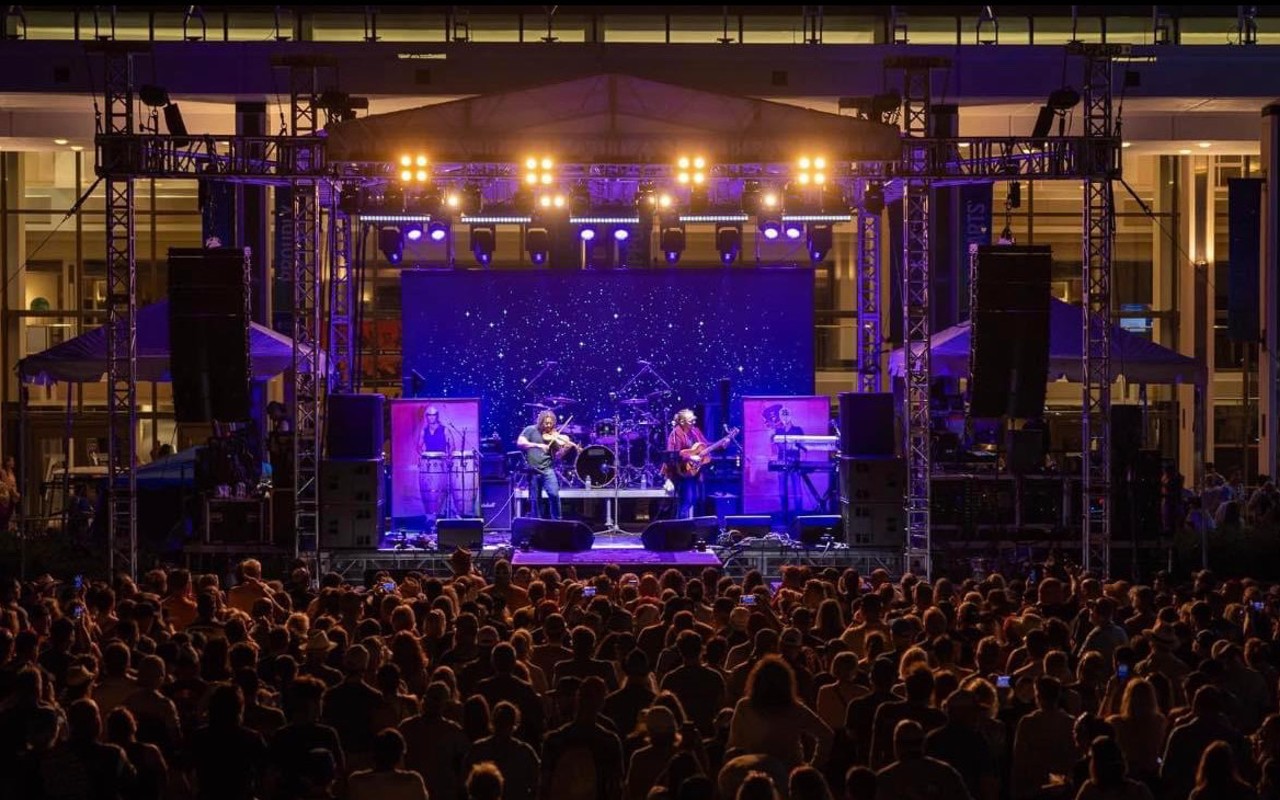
x=767 y=555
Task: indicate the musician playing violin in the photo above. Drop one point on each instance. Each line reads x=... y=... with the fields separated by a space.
x=541 y=443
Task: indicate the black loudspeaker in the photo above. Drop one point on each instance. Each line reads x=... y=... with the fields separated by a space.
x=495 y=504
x=1126 y=439
x=873 y=480
x=1244 y=226
x=866 y=424
x=1010 y=348
x=552 y=535
x=669 y=535
x=749 y=524
x=353 y=427
x=465 y=534
x=810 y=529
x=209 y=333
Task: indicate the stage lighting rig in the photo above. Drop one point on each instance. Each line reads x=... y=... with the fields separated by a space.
x=438 y=230
x=811 y=171
x=391 y=243
x=537 y=242
x=769 y=216
x=691 y=170
x=412 y=231
x=792 y=230
x=538 y=171
x=414 y=168
x=873 y=198
x=548 y=203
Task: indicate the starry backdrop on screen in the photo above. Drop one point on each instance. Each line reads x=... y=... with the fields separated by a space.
x=486 y=334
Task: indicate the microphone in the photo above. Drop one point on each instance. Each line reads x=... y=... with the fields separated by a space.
x=416 y=375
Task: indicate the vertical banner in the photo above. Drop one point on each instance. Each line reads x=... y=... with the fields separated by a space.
x=435 y=460
x=778 y=478
x=1244 y=240
x=975 y=229
x=282 y=263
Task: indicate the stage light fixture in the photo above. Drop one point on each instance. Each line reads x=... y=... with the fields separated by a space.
x=793 y=230
x=412 y=231
x=811 y=170
x=483 y=242
x=621 y=234
x=438 y=230
x=691 y=170
x=587 y=234
x=819 y=241
x=415 y=168
x=453 y=201
x=664 y=201
x=770 y=228
x=550 y=201
x=671 y=239
x=751 y=197
x=537 y=242
x=391 y=243
x=538 y=171
x=728 y=242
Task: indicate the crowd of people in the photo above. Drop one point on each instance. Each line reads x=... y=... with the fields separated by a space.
x=540 y=684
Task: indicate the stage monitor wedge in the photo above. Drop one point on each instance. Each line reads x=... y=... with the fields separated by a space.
x=552 y=535
x=460 y=534
x=677 y=535
x=810 y=529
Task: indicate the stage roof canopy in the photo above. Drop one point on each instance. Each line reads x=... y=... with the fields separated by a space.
x=612 y=119
x=1138 y=359
x=84 y=358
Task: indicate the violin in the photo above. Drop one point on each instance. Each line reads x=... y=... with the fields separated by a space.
x=557 y=439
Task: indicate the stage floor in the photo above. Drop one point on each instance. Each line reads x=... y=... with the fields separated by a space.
x=625 y=550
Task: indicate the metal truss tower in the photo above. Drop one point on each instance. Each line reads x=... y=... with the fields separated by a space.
x=916 y=99
x=341 y=348
x=1101 y=156
x=115 y=164
x=869 y=338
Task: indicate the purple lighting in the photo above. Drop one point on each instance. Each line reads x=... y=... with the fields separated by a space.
x=621 y=234
x=672 y=256
x=538 y=257
x=794 y=231
x=770 y=233
x=438 y=235
x=587 y=234
x=413 y=233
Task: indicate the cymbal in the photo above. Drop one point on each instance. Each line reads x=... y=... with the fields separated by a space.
x=634 y=401
x=539 y=406
x=559 y=401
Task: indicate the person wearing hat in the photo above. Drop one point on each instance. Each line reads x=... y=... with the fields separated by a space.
x=316 y=653
x=1163 y=659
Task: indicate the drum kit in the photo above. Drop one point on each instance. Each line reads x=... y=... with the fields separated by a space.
x=624 y=449
x=630 y=444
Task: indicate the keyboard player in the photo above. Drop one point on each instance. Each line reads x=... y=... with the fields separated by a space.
x=789 y=489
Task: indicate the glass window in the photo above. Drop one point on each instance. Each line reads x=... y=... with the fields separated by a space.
x=852 y=29
x=126 y=25
x=255 y=26
x=345 y=27
x=566 y=28
x=762 y=29
x=492 y=28
x=1061 y=30
x=930 y=30
x=1013 y=29
x=55 y=24
x=642 y=29
x=697 y=29
x=397 y=26
x=1208 y=30
x=1130 y=30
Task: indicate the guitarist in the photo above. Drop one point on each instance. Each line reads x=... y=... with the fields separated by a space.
x=541 y=442
x=684 y=437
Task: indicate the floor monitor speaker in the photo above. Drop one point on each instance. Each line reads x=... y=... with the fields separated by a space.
x=552 y=535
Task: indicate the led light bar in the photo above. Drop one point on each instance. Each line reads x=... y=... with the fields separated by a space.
x=394 y=218
x=604 y=220
x=817 y=218
x=695 y=218
x=496 y=220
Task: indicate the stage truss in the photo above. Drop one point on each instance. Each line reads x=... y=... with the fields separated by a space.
x=298 y=160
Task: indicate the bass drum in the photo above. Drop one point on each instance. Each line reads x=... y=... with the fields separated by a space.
x=595 y=466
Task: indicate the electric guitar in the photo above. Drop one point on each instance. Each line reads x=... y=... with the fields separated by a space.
x=695 y=458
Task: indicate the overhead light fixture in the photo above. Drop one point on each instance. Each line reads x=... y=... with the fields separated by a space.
x=1205 y=144
x=691 y=171
x=484 y=240
x=1126 y=144
x=1184 y=152
x=391 y=243
x=412 y=231
x=873 y=198
x=537 y=242
x=621 y=234
x=153 y=96
x=437 y=230
x=60 y=142
x=811 y=170
x=819 y=241
x=728 y=242
x=770 y=228
x=75 y=148
x=415 y=168
x=671 y=239
x=538 y=170
x=587 y=234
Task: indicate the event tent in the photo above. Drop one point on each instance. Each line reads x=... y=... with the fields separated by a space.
x=1137 y=359
x=84 y=358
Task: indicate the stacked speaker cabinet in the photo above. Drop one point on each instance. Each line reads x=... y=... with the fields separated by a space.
x=353 y=504
x=1010 y=335
x=209 y=333
x=872 y=497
